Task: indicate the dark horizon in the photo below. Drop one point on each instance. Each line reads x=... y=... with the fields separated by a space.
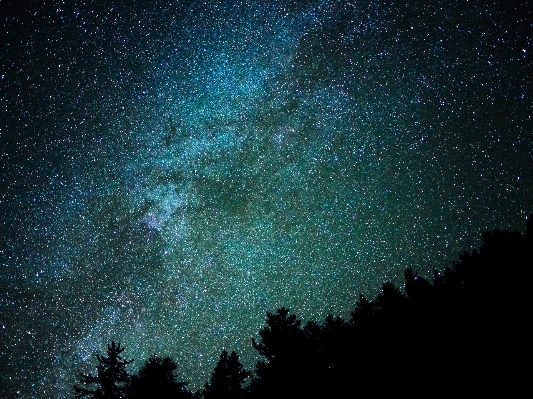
x=171 y=171
x=445 y=335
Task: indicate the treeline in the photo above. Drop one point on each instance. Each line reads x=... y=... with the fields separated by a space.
x=464 y=332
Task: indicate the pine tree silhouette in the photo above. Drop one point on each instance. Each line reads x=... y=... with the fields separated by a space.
x=281 y=337
x=284 y=345
x=227 y=379
x=157 y=379
x=463 y=332
x=111 y=378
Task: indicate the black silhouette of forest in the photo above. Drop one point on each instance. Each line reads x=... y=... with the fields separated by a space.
x=464 y=332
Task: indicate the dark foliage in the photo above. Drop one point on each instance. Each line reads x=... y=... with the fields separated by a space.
x=281 y=337
x=228 y=378
x=464 y=332
x=283 y=345
x=156 y=379
x=111 y=379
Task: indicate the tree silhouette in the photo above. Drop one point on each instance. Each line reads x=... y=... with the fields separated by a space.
x=363 y=309
x=281 y=337
x=418 y=289
x=462 y=332
x=227 y=379
x=389 y=299
x=283 y=345
x=157 y=379
x=111 y=378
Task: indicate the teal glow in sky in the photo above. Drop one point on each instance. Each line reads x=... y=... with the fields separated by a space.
x=171 y=171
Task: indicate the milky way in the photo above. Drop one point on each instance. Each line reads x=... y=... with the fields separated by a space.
x=171 y=171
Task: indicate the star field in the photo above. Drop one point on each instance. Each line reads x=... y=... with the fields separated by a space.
x=171 y=171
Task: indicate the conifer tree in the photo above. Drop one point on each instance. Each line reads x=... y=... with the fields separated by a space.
x=282 y=336
x=111 y=378
x=283 y=344
x=227 y=379
x=157 y=379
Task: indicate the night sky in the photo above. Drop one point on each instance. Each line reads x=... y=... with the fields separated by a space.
x=171 y=171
